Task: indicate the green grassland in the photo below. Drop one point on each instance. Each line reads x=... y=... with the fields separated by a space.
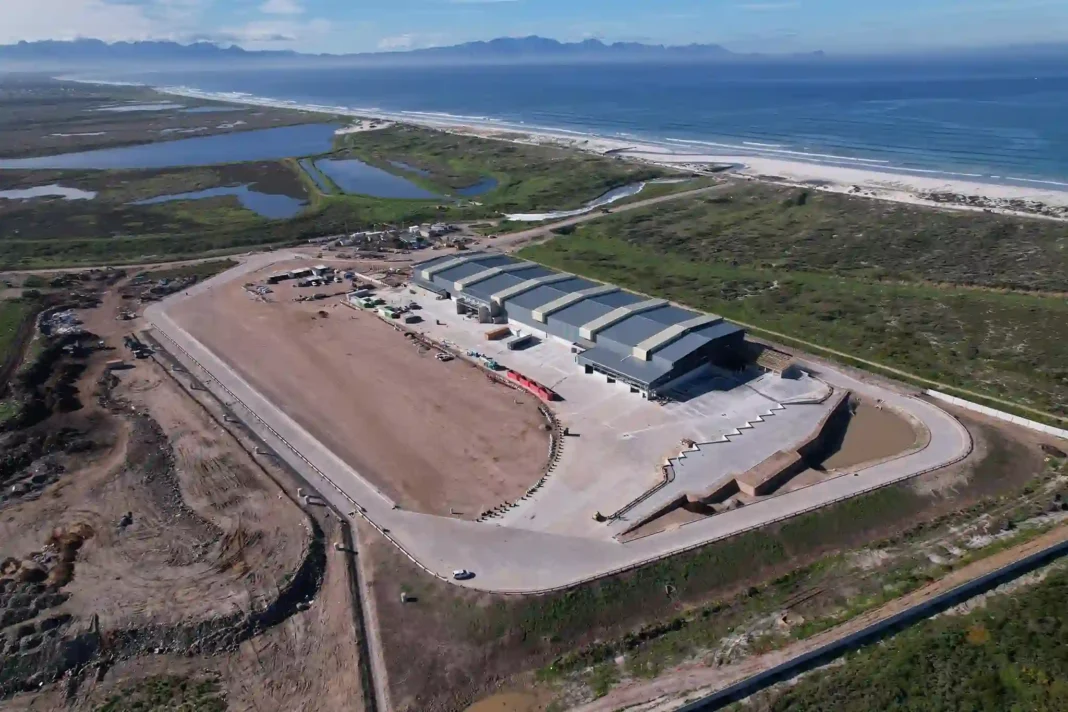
x=167 y=693
x=764 y=226
x=529 y=177
x=41 y=116
x=111 y=230
x=12 y=313
x=1011 y=345
x=1008 y=655
x=200 y=270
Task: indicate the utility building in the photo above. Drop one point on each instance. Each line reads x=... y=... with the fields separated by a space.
x=648 y=344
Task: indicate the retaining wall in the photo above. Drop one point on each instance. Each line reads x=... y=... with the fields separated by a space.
x=999 y=414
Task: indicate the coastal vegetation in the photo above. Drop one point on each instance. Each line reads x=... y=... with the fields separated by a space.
x=1007 y=655
x=529 y=178
x=906 y=287
x=44 y=116
x=468 y=179
x=13 y=313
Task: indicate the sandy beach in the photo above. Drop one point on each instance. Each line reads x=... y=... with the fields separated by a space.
x=1045 y=199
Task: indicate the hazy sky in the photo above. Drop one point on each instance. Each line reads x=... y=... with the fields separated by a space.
x=364 y=25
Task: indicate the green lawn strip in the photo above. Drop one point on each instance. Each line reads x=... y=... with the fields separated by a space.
x=1002 y=345
x=1007 y=655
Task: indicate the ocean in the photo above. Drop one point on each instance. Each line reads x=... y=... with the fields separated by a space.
x=999 y=122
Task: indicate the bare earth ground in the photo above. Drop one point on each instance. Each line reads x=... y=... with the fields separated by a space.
x=435 y=437
x=306 y=664
x=213 y=534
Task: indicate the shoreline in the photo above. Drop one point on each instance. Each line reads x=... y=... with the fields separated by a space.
x=851 y=176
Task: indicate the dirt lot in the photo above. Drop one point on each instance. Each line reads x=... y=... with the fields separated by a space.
x=435 y=437
x=214 y=557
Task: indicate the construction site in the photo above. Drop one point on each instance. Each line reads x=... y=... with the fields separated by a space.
x=435 y=437
x=201 y=459
x=469 y=395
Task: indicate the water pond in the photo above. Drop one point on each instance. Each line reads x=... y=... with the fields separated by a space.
x=411 y=169
x=212 y=109
x=483 y=186
x=47 y=191
x=261 y=145
x=357 y=177
x=309 y=168
x=124 y=108
x=268 y=205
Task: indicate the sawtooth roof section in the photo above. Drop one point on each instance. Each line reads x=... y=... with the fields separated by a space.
x=581 y=312
x=469 y=269
x=679 y=349
x=617 y=299
x=632 y=330
x=590 y=330
x=566 y=300
x=427 y=272
x=671 y=315
x=418 y=266
x=666 y=335
x=534 y=298
x=502 y=293
x=486 y=289
x=485 y=274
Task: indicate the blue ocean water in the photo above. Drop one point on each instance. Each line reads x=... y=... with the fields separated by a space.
x=995 y=121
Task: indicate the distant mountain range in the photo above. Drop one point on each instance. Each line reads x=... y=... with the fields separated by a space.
x=89 y=53
x=78 y=54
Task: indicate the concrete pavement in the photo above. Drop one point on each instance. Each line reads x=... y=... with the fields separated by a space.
x=514 y=560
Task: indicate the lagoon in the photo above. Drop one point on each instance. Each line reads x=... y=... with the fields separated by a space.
x=359 y=178
x=268 y=205
x=261 y=145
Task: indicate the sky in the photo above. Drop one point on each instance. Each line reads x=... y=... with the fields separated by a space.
x=339 y=26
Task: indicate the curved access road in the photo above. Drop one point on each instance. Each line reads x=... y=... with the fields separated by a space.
x=509 y=560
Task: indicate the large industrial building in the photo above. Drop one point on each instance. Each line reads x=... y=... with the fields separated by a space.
x=648 y=344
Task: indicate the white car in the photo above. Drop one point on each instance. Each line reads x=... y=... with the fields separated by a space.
x=462 y=575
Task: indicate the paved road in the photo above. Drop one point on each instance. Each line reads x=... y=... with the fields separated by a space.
x=520 y=561
x=514 y=240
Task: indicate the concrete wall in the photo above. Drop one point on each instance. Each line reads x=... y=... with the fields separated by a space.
x=770 y=474
x=1000 y=415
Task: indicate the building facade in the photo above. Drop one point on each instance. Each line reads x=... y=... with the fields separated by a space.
x=648 y=344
